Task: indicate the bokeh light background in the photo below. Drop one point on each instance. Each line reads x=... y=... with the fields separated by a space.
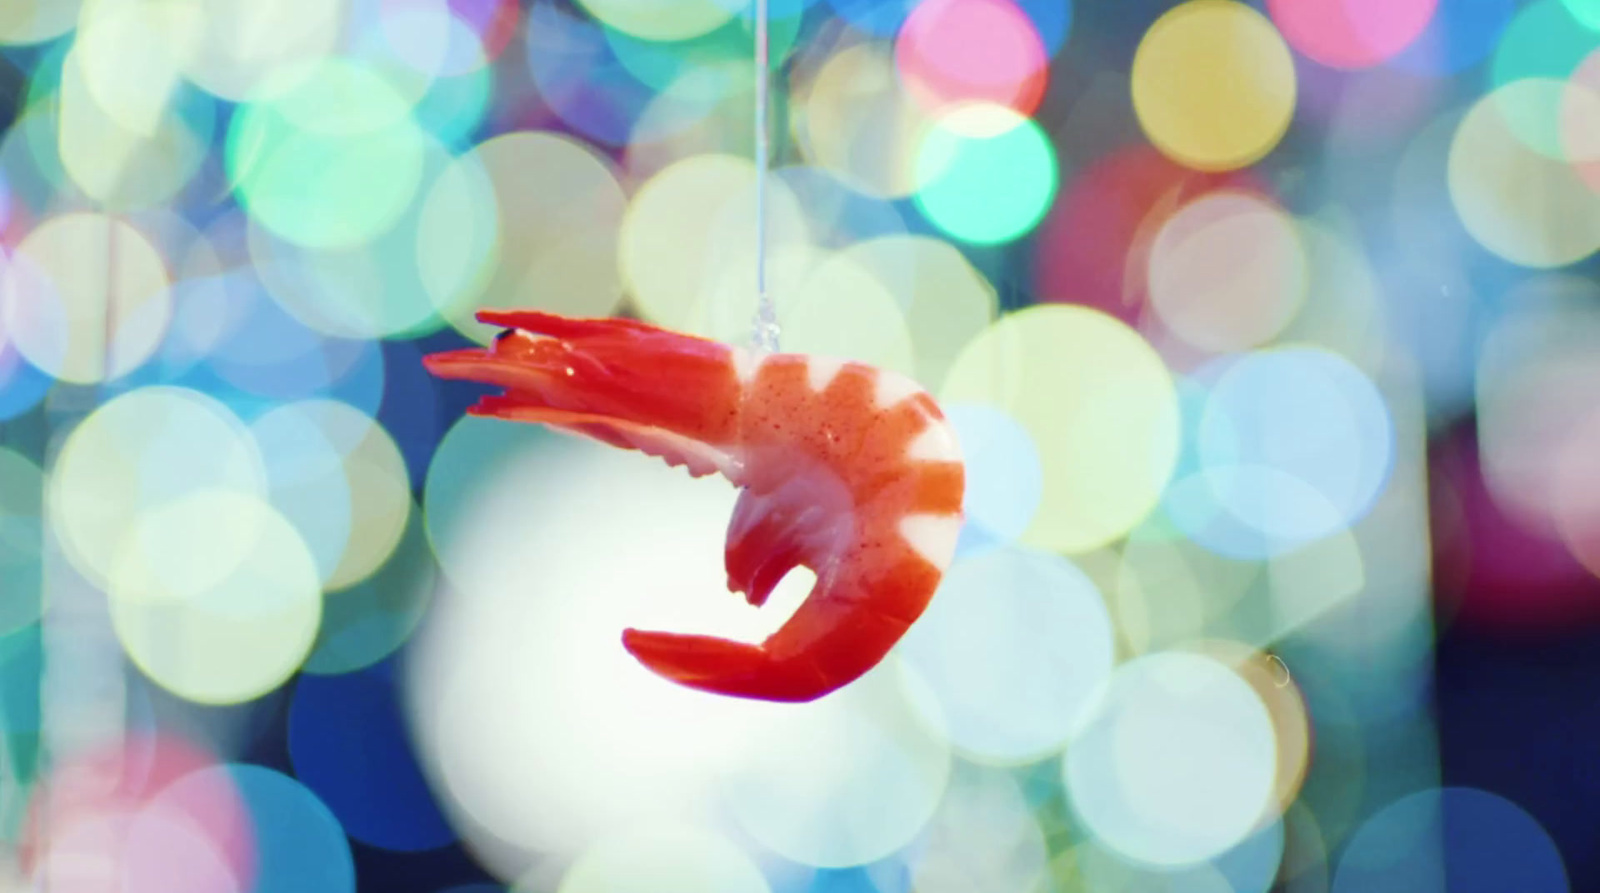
x=1271 y=332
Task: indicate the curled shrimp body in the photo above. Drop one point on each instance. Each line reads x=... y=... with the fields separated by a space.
x=845 y=469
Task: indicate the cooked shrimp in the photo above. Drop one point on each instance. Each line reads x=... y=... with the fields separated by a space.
x=846 y=469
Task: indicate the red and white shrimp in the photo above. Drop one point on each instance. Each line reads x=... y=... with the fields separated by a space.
x=846 y=469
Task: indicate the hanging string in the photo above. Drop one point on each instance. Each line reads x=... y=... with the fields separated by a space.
x=764 y=335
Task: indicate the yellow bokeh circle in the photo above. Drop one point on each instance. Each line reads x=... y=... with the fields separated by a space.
x=857 y=120
x=85 y=297
x=554 y=207
x=215 y=597
x=946 y=301
x=136 y=453
x=1227 y=271
x=1273 y=682
x=688 y=247
x=1101 y=407
x=706 y=108
x=337 y=476
x=120 y=166
x=1213 y=85
x=247 y=51
x=842 y=310
x=130 y=55
x=36 y=21
x=1520 y=203
x=1170 y=590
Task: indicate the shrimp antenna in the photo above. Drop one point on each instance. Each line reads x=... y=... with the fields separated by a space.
x=765 y=332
